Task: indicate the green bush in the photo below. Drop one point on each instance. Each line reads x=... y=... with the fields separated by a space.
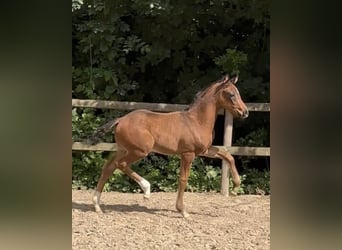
x=256 y=181
x=163 y=174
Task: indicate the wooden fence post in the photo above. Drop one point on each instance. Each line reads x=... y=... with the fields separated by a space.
x=227 y=141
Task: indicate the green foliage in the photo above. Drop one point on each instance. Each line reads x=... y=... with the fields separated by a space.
x=86 y=167
x=163 y=175
x=166 y=51
x=232 y=61
x=255 y=182
x=82 y=123
x=254 y=138
x=153 y=50
x=204 y=177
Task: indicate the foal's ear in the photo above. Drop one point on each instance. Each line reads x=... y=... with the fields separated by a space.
x=225 y=79
x=234 y=79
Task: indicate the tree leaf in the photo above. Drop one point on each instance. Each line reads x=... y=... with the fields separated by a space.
x=107 y=75
x=79 y=88
x=110 y=89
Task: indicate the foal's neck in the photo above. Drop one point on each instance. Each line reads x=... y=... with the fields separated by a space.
x=205 y=113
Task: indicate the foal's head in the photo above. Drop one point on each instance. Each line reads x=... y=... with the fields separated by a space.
x=229 y=98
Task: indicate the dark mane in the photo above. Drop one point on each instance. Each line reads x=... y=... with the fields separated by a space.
x=204 y=91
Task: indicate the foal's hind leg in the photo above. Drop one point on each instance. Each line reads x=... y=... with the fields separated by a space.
x=108 y=169
x=144 y=184
x=124 y=165
x=122 y=161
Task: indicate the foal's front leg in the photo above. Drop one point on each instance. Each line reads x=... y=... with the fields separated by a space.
x=186 y=160
x=214 y=152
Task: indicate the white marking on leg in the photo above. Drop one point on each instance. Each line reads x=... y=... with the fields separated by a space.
x=146 y=187
x=96 y=201
x=185 y=214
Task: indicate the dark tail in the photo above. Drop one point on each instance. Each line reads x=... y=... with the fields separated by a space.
x=101 y=131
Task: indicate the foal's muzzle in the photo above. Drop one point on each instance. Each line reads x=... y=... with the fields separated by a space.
x=245 y=114
x=242 y=113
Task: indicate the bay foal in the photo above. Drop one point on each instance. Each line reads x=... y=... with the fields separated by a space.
x=186 y=133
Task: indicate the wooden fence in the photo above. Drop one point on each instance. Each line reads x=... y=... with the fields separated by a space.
x=164 y=107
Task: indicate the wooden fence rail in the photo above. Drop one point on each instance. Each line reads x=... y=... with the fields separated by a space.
x=164 y=107
x=243 y=151
x=161 y=107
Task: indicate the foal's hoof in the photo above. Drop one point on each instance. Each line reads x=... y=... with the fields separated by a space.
x=146 y=198
x=233 y=193
x=98 y=209
x=185 y=214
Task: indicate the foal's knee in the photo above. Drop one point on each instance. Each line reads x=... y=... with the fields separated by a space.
x=122 y=166
x=235 y=175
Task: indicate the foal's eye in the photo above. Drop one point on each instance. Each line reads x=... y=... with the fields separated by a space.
x=231 y=95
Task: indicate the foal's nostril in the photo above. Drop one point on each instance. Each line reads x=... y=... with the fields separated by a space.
x=245 y=113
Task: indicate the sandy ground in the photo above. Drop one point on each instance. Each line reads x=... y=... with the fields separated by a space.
x=129 y=222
